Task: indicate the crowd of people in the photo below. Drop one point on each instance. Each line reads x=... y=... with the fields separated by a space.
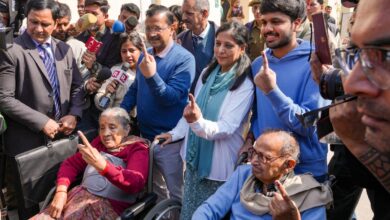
x=210 y=93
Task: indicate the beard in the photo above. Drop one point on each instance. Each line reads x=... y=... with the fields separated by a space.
x=282 y=42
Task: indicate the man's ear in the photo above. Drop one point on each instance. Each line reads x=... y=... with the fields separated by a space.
x=290 y=164
x=205 y=13
x=297 y=23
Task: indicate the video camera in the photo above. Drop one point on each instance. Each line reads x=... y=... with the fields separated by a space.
x=11 y=17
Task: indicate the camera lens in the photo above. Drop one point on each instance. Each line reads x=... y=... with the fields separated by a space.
x=331 y=85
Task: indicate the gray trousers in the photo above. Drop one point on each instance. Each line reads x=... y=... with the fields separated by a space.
x=168 y=172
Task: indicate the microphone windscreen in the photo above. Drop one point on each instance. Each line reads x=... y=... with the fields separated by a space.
x=85 y=21
x=103 y=74
x=131 y=22
x=126 y=66
x=118 y=27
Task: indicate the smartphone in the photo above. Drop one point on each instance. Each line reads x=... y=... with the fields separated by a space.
x=321 y=38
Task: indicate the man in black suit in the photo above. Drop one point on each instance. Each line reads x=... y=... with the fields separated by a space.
x=40 y=88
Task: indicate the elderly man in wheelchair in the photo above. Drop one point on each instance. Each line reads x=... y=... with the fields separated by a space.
x=268 y=188
x=115 y=168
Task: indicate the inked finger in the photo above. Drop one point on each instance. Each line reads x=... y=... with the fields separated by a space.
x=83 y=138
x=192 y=100
x=282 y=190
x=265 y=60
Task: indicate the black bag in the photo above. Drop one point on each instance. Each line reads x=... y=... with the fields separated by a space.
x=37 y=168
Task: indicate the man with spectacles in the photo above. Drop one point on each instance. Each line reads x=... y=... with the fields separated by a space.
x=160 y=93
x=268 y=188
x=364 y=125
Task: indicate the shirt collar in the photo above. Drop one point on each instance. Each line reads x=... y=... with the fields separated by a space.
x=164 y=53
x=205 y=31
x=47 y=41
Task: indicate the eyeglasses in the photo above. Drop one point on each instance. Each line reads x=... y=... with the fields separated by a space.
x=375 y=63
x=155 y=29
x=252 y=153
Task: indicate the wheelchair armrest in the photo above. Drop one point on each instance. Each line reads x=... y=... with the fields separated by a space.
x=145 y=203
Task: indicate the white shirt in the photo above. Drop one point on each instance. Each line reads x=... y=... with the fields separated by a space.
x=204 y=33
x=226 y=132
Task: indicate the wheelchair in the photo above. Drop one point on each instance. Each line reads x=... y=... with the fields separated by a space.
x=144 y=203
x=170 y=208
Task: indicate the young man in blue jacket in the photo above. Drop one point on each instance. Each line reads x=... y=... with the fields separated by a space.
x=284 y=83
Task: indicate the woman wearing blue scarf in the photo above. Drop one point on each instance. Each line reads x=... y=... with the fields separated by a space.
x=213 y=122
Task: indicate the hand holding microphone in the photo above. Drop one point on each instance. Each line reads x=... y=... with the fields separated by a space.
x=95 y=82
x=119 y=78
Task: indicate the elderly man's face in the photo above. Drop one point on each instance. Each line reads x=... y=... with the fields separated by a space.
x=192 y=17
x=371 y=30
x=268 y=164
x=40 y=24
x=111 y=131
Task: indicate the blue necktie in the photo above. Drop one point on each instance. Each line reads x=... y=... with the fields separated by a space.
x=48 y=60
x=196 y=40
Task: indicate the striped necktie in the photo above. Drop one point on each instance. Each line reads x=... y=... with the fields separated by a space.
x=47 y=58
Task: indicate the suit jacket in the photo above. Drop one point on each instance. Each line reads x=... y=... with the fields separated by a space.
x=186 y=41
x=26 y=94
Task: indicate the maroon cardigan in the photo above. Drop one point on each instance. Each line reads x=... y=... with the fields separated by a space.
x=131 y=180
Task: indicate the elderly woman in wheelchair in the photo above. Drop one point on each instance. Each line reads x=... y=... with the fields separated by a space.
x=115 y=168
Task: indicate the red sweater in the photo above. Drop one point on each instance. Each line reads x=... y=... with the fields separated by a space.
x=131 y=180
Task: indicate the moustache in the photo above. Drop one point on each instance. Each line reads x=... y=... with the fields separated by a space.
x=372 y=107
x=271 y=34
x=153 y=38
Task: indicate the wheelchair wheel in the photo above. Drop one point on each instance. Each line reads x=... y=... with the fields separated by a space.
x=167 y=209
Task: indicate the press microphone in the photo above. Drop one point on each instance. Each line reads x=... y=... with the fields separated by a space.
x=85 y=22
x=116 y=26
x=131 y=23
x=119 y=76
x=103 y=74
x=94 y=43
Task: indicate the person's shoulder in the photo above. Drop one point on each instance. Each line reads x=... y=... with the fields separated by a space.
x=180 y=53
x=183 y=35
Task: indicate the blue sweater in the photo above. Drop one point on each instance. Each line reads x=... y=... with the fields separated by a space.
x=296 y=92
x=227 y=198
x=160 y=100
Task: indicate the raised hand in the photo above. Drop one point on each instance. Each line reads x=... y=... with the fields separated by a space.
x=282 y=207
x=88 y=58
x=148 y=64
x=265 y=79
x=192 y=111
x=90 y=154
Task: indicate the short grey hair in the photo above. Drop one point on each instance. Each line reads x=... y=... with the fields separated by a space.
x=201 y=5
x=119 y=113
x=290 y=144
